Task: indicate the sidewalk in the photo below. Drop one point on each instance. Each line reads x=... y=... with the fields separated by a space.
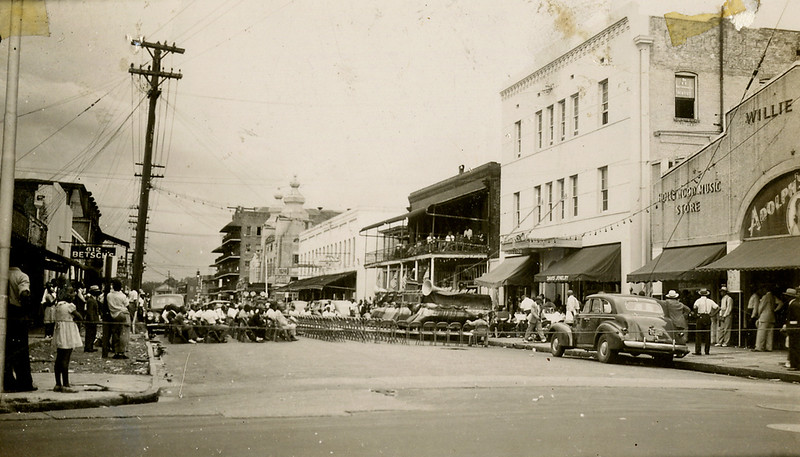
x=93 y=390
x=731 y=361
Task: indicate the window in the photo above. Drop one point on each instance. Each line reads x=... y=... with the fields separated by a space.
x=518 y=136
x=603 y=171
x=516 y=209
x=550 y=123
x=247 y=230
x=539 y=129
x=258 y=230
x=562 y=125
x=549 y=189
x=575 y=111
x=561 y=194
x=537 y=203
x=604 y=102
x=573 y=184
x=295 y=259
x=685 y=89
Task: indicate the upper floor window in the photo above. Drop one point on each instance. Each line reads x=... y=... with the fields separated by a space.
x=573 y=184
x=550 y=123
x=562 y=124
x=549 y=189
x=247 y=230
x=685 y=100
x=516 y=209
x=603 y=175
x=539 y=131
x=575 y=110
x=518 y=138
x=537 y=203
x=604 y=102
x=561 y=195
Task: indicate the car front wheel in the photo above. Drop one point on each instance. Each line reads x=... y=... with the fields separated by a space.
x=604 y=352
x=556 y=346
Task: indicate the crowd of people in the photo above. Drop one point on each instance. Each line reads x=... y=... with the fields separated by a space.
x=218 y=322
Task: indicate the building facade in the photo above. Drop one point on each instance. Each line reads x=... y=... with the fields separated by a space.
x=241 y=240
x=588 y=134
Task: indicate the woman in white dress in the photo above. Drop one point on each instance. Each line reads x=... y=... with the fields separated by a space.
x=66 y=337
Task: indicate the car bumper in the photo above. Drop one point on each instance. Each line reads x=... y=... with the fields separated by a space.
x=645 y=346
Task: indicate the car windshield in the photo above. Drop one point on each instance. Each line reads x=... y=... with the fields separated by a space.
x=635 y=306
x=159 y=302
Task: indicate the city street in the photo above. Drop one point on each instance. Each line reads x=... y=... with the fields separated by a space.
x=347 y=398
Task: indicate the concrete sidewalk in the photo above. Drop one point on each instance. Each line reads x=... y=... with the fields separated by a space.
x=722 y=360
x=93 y=390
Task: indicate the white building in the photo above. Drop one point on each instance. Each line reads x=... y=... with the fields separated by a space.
x=331 y=255
x=585 y=136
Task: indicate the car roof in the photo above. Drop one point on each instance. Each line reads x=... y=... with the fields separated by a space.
x=626 y=297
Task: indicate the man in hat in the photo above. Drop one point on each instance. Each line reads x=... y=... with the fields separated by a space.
x=792 y=328
x=765 y=314
x=677 y=312
x=573 y=307
x=725 y=318
x=703 y=306
x=92 y=318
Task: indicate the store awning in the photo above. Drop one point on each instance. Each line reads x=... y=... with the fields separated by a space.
x=766 y=254
x=594 y=263
x=340 y=280
x=678 y=264
x=59 y=263
x=516 y=271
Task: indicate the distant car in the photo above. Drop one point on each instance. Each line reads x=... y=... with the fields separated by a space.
x=158 y=303
x=614 y=323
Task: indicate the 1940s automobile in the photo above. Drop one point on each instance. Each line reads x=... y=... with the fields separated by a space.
x=614 y=323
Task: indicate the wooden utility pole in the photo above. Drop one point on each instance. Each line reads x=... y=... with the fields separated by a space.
x=154 y=76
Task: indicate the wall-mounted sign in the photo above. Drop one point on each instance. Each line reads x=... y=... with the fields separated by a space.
x=768 y=112
x=688 y=193
x=775 y=210
x=91 y=252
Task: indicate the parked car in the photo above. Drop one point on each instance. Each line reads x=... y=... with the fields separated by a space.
x=615 y=323
x=158 y=303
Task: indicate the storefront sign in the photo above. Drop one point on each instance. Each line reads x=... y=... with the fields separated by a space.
x=776 y=209
x=688 y=192
x=91 y=252
x=557 y=278
x=768 y=112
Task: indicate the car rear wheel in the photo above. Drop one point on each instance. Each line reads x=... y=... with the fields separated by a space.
x=556 y=346
x=604 y=352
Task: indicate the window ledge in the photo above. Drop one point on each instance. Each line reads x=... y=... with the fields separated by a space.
x=686 y=120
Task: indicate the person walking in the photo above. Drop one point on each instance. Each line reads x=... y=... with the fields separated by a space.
x=535 y=321
x=92 y=318
x=17 y=369
x=120 y=317
x=703 y=306
x=792 y=328
x=765 y=314
x=725 y=318
x=66 y=337
x=677 y=313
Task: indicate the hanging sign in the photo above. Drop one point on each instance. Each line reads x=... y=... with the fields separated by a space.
x=91 y=252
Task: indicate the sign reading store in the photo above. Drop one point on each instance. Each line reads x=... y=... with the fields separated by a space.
x=775 y=210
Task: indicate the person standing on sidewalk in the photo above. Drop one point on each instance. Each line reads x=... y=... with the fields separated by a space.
x=120 y=316
x=17 y=370
x=765 y=313
x=725 y=318
x=92 y=318
x=750 y=319
x=792 y=328
x=66 y=337
x=48 y=303
x=573 y=307
x=704 y=306
x=535 y=321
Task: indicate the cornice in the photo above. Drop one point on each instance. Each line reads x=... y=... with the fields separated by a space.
x=572 y=55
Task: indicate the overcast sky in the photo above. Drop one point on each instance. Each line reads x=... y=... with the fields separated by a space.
x=365 y=101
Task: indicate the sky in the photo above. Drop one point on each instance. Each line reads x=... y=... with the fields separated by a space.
x=364 y=101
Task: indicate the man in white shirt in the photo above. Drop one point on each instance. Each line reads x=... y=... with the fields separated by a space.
x=573 y=307
x=725 y=318
x=703 y=306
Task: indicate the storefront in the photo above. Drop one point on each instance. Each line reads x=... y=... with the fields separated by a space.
x=587 y=270
x=730 y=214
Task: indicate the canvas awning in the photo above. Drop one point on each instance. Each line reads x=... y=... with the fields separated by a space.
x=678 y=264
x=764 y=254
x=516 y=271
x=394 y=219
x=594 y=263
x=320 y=282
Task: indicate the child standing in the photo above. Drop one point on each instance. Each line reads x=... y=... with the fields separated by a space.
x=65 y=337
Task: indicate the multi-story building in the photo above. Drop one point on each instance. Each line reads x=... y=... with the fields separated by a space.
x=588 y=133
x=241 y=239
x=448 y=235
x=331 y=257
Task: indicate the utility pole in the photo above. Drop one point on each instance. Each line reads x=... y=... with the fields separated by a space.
x=154 y=76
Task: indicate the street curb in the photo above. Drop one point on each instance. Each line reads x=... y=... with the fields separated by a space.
x=119 y=399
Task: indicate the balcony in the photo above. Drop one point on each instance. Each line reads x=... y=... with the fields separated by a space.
x=225 y=258
x=28 y=228
x=438 y=247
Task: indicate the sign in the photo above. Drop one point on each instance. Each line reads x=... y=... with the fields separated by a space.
x=768 y=112
x=775 y=210
x=91 y=252
x=684 y=196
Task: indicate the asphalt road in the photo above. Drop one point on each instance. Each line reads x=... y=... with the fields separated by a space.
x=314 y=398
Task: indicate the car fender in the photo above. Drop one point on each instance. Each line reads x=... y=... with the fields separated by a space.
x=612 y=330
x=566 y=330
